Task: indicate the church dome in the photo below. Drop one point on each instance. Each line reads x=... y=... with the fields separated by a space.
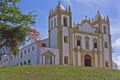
x=61 y=7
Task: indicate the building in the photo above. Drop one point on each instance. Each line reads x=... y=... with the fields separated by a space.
x=87 y=43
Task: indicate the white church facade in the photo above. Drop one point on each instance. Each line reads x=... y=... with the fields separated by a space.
x=87 y=43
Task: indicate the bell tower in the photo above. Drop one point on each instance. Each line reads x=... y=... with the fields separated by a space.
x=60 y=32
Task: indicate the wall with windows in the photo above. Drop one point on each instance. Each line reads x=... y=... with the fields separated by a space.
x=27 y=55
x=53 y=32
x=65 y=43
x=53 y=22
x=4 y=60
x=86 y=42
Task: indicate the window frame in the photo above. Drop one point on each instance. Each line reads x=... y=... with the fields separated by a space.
x=65 y=39
x=65 y=21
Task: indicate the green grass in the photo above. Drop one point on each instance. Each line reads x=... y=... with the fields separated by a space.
x=57 y=72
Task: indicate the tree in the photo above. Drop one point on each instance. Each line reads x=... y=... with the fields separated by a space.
x=14 y=25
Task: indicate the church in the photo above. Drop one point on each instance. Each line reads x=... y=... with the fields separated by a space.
x=87 y=43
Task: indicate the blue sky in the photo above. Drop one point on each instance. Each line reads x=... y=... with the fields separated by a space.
x=80 y=8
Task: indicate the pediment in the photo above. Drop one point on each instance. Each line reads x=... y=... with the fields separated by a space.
x=48 y=53
x=86 y=27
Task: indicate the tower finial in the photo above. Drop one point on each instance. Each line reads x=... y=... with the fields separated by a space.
x=69 y=8
x=99 y=15
x=85 y=17
x=108 y=19
x=59 y=2
x=98 y=12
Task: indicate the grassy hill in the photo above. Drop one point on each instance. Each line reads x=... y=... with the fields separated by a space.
x=57 y=72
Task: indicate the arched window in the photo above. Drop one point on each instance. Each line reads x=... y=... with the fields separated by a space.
x=51 y=24
x=24 y=51
x=28 y=50
x=95 y=43
x=105 y=30
x=24 y=62
x=21 y=55
x=29 y=61
x=21 y=63
x=78 y=42
x=65 y=21
x=33 y=48
x=87 y=42
x=55 y=22
x=106 y=44
x=96 y=30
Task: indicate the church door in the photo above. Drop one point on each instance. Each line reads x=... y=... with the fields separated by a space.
x=87 y=60
x=48 y=60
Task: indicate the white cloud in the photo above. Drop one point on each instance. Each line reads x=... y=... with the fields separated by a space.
x=117 y=61
x=86 y=2
x=116 y=43
x=91 y=1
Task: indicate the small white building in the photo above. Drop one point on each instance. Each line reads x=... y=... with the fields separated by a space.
x=32 y=54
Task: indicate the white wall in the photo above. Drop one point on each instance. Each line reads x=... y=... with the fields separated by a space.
x=53 y=38
x=4 y=60
x=32 y=55
x=86 y=28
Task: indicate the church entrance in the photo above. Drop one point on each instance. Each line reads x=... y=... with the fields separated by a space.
x=87 y=60
x=48 y=60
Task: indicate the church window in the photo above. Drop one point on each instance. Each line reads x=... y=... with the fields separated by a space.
x=28 y=49
x=24 y=62
x=105 y=30
x=96 y=30
x=87 y=44
x=33 y=48
x=55 y=22
x=29 y=61
x=65 y=21
x=78 y=42
x=51 y=24
x=21 y=55
x=21 y=63
x=106 y=45
x=65 y=39
x=95 y=44
x=65 y=59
